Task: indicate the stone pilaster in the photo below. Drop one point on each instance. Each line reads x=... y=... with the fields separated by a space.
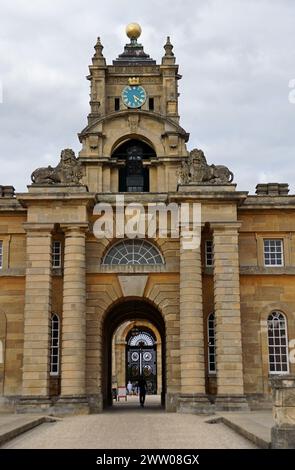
x=192 y=397
x=230 y=386
x=37 y=311
x=74 y=315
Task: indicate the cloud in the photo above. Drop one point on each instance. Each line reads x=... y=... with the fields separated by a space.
x=236 y=58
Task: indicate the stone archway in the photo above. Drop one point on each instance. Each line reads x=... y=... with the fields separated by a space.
x=129 y=310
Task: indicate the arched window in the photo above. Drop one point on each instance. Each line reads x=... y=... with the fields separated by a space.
x=133 y=171
x=133 y=252
x=277 y=343
x=211 y=344
x=54 y=345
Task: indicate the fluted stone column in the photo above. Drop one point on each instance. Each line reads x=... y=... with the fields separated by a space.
x=73 y=369
x=230 y=386
x=37 y=312
x=191 y=330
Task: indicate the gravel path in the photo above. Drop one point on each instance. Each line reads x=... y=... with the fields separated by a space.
x=137 y=429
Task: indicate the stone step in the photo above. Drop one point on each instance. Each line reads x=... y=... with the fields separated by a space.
x=12 y=426
x=254 y=426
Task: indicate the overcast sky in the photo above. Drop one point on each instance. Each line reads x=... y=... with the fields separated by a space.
x=236 y=57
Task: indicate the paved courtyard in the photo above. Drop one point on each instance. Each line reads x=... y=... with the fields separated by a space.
x=128 y=426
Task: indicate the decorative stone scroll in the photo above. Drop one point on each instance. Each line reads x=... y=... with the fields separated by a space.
x=195 y=169
x=68 y=171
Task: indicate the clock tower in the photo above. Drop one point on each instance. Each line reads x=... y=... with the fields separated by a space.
x=133 y=118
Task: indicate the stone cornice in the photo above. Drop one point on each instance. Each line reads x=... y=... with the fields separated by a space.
x=42 y=228
x=268 y=202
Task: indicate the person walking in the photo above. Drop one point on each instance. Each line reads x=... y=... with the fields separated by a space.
x=142 y=390
x=129 y=388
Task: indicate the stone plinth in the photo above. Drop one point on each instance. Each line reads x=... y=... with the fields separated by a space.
x=56 y=188
x=283 y=433
x=205 y=187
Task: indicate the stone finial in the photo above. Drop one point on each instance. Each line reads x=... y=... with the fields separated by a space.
x=168 y=48
x=98 y=49
x=133 y=31
x=98 y=58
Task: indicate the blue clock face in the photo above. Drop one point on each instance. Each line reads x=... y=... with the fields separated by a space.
x=133 y=96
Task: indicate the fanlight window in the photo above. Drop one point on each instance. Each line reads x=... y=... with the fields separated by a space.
x=133 y=252
x=141 y=339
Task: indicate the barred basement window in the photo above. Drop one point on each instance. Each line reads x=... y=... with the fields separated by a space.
x=1 y=254
x=133 y=252
x=56 y=254
x=209 y=252
x=277 y=343
x=273 y=252
x=211 y=344
x=54 y=345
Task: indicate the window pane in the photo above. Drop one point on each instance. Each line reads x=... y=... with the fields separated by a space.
x=273 y=253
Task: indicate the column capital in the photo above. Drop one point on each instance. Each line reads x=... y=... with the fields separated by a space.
x=223 y=226
x=39 y=229
x=72 y=227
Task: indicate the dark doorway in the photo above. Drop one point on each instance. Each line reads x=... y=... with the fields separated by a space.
x=129 y=310
x=134 y=174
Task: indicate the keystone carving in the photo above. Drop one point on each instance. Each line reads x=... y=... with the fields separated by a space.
x=68 y=171
x=195 y=169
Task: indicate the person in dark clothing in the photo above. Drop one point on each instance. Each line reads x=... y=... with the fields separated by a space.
x=142 y=390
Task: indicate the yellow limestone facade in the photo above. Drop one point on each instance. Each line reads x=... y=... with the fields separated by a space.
x=134 y=146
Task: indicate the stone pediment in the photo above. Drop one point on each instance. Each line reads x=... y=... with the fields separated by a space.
x=168 y=125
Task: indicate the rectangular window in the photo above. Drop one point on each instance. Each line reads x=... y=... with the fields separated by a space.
x=209 y=252
x=117 y=104
x=1 y=254
x=273 y=252
x=151 y=104
x=56 y=254
x=211 y=344
x=54 y=346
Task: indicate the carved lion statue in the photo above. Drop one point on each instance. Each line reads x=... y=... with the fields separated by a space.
x=195 y=169
x=68 y=171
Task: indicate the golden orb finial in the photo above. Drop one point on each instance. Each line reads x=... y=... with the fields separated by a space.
x=133 y=30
